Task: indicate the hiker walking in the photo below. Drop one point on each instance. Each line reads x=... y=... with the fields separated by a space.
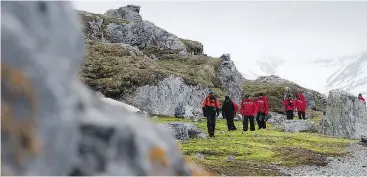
x=229 y=110
x=248 y=111
x=262 y=110
x=210 y=107
x=301 y=107
x=289 y=107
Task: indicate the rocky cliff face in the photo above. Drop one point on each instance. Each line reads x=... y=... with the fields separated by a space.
x=346 y=116
x=151 y=68
x=64 y=129
x=230 y=78
x=125 y=25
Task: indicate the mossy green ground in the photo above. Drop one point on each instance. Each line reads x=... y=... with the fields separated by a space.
x=256 y=151
x=110 y=69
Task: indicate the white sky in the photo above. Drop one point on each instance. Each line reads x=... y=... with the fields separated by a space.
x=254 y=30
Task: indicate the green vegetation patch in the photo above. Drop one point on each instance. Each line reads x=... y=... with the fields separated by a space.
x=110 y=69
x=193 y=47
x=255 y=152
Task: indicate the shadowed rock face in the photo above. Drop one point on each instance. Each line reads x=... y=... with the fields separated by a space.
x=51 y=123
x=346 y=116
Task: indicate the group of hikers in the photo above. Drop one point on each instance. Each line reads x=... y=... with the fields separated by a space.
x=251 y=109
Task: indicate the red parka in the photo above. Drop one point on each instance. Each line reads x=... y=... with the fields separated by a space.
x=248 y=107
x=289 y=104
x=301 y=105
x=361 y=98
x=235 y=107
x=262 y=105
x=301 y=96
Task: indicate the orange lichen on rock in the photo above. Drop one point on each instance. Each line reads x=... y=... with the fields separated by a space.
x=157 y=155
x=21 y=130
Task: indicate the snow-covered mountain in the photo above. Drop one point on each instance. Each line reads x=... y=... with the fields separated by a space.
x=348 y=73
x=352 y=76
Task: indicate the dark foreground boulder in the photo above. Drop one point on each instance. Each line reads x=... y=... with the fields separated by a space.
x=52 y=124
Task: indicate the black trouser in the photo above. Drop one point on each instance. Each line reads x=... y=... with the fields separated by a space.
x=246 y=121
x=210 y=122
x=260 y=119
x=290 y=114
x=230 y=123
x=301 y=114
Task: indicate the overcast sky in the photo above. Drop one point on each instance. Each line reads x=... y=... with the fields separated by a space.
x=255 y=30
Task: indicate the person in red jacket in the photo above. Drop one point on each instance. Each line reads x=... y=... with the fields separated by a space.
x=229 y=110
x=301 y=107
x=262 y=106
x=289 y=104
x=300 y=95
x=361 y=98
x=248 y=111
x=211 y=107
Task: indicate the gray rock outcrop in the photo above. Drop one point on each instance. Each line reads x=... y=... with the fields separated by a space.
x=230 y=78
x=169 y=97
x=52 y=124
x=144 y=34
x=297 y=125
x=280 y=122
x=125 y=25
x=346 y=116
x=273 y=79
x=129 y=12
x=183 y=131
x=276 y=119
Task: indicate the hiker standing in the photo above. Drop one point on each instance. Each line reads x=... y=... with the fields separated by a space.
x=210 y=107
x=300 y=95
x=229 y=109
x=248 y=111
x=289 y=107
x=301 y=107
x=262 y=110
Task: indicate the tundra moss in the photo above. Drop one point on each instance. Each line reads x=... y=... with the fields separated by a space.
x=110 y=69
x=255 y=152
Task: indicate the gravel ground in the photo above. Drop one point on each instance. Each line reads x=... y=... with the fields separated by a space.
x=351 y=165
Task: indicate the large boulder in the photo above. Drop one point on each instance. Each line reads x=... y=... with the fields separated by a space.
x=277 y=119
x=230 y=78
x=280 y=122
x=52 y=124
x=183 y=131
x=297 y=125
x=171 y=97
x=346 y=116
